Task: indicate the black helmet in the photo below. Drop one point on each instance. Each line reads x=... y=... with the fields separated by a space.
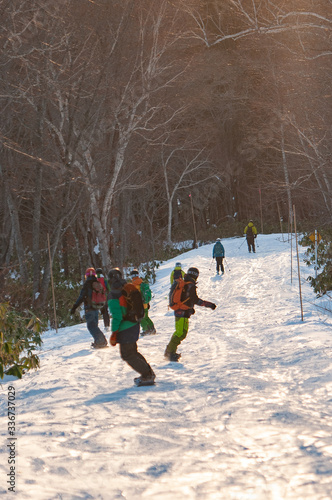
x=134 y=272
x=99 y=270
x=193 y=271
x=114 y=274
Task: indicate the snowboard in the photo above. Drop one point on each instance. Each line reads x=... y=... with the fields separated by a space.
x=99 y=347
x=142 y=383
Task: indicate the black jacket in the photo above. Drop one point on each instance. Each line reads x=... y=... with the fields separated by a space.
x=86 y=294
x=190 y=292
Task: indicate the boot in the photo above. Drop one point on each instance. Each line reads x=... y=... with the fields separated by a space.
x=172 y=356
x=100 y=345
x=147 y=380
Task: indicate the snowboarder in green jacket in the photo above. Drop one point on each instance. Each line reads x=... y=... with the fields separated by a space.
x=125 y=332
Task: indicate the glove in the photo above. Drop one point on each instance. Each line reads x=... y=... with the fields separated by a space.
x=210 y=305
x=113 y=338
x=72 y=310
x=255 y=236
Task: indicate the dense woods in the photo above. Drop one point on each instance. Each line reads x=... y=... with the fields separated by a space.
x=114 y=112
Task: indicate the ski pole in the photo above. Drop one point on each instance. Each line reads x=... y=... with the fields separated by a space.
x=241 y=244
x=227 y=264
x=211 y=264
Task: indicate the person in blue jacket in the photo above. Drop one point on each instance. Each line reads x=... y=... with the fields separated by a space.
x=219 y=254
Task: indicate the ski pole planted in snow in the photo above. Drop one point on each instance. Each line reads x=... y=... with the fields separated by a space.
x=227 y=264
x=242 y=244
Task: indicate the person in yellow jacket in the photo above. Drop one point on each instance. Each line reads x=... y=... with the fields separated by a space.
x=146 y=323
x=177 y=272
x=250 y=233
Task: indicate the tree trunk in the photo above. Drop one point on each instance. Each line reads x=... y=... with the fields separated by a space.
x=36 y=232
x=17 y=237
x=285 y=169
x=47 y=270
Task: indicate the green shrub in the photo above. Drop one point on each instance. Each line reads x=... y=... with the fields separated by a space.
x=323 y=282
x=19 y=338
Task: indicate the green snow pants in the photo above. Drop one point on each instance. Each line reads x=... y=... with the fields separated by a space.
x=147 y=323
x=181 y=330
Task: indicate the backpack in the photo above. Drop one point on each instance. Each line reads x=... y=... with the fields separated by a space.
x=135 y=307
x=104 y=282
x=249 y=231
x=176 y=300
x=98 y=297
x=146 y=292
x=177 y=274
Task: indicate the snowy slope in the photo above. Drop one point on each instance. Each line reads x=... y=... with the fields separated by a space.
x=245 y=415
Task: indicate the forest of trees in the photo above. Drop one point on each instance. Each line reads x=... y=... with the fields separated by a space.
x=115 y=111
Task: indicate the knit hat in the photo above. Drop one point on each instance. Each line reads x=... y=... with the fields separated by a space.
x=90 y=272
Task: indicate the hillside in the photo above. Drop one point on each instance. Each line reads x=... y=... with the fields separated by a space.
x=245 y=415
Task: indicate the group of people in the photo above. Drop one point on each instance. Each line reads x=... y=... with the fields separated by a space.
x=218 y=253
x=126 y=332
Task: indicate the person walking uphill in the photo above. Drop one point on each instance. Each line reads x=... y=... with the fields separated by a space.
x=144 y=288
x=183 y=307
x=91 y=309
x=219 y=254
x=251 y=234
x=125 y=332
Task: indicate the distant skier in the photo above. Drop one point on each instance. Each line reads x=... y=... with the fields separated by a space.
x=183 y=308
x=125 y=332
x=219 y=254
x=177 y=272
x=144 y=288
x=251 y=234
x=104 y=311
x=91 y=311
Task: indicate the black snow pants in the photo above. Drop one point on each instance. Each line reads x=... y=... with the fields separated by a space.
x=135 y=359
x=219 y=264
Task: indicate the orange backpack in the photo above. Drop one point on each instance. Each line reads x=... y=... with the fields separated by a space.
x=175 y=295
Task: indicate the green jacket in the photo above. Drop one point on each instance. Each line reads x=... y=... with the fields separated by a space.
x=117 y=304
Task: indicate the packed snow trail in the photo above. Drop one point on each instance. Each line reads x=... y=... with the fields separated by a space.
x=245 y=414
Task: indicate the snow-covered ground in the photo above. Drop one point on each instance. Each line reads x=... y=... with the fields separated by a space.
x=245 y=415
